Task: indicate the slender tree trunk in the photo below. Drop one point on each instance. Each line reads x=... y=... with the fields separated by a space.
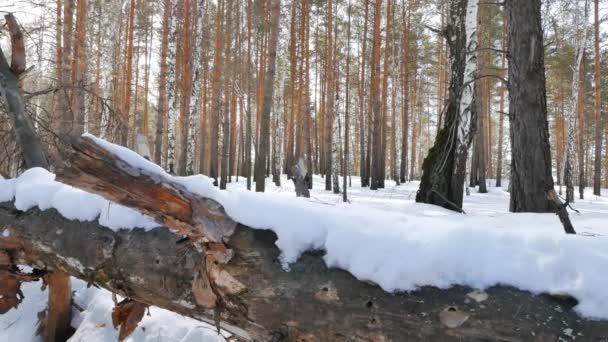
x=415 y=115
x=345 y=168
x=289 y=154
x=384 y=97
x=172 y=89
x=580 y=20
x=249 y=93
x=163 y=105
x=405 y=95
x=126 y=109
x=362 y=116
x=502 y=109
x=581 y=123
x=228 y=90
x=65 y=109
x=58 y=97
x=80 y=64
x=331 y=97
x=268 y=94
x=376 y=103
x=597 y=169
x=216 y=94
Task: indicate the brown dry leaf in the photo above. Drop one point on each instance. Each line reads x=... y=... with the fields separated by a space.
x=126 y=315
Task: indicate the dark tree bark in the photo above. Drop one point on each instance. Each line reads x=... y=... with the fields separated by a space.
x=531 y=154
x=377 y=175
x=532 y=188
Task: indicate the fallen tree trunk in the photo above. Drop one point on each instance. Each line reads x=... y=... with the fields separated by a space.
x=310 y=302
x=222 y=274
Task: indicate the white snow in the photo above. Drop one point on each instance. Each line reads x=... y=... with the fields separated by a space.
x=385 y=237
x=95 y=322
x=37 y=187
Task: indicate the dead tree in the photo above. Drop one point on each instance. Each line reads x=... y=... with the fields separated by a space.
x=57 y=320
x=301 y=179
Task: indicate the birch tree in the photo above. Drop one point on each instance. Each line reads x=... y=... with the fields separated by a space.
x=580 y=20
x=445 y=166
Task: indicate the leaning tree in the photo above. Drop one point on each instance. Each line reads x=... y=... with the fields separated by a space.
x=443 y=170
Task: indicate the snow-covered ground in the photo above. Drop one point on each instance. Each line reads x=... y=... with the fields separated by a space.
x=94 y=324
x=381 y=236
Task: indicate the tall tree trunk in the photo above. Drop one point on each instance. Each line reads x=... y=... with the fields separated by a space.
x=405 y=98
x=289 y=153
x=597 y=169
x=275 y=12
x=580 y=125
x=216 y=94
x=198 y=41
x=384 y=97
x=531 y=178
x=330 y=88
x=345 y=168
x=362 y=116
x=445 y=166
x=67 y=115
x=126 y=108
x=249 y=94
x=415 y=115
x=94 y=124
x=185 y=86
x=163 y=105
x=80 y=64
x=502 y=109
x=227 y=78
x=580 y=20
x=376 y=102
x=172 y=89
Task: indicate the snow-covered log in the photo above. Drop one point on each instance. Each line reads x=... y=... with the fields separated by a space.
x=197 y=263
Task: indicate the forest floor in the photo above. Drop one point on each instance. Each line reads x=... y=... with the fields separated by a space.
x=385 y=238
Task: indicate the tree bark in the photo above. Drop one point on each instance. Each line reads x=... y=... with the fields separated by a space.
x=444 y=168
x=362 y=116
x=572 y=104
x=531 y=188
x=260 y=163
x=502 y=110
x=597 y=169
x=163 y=105
x=376 y=103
